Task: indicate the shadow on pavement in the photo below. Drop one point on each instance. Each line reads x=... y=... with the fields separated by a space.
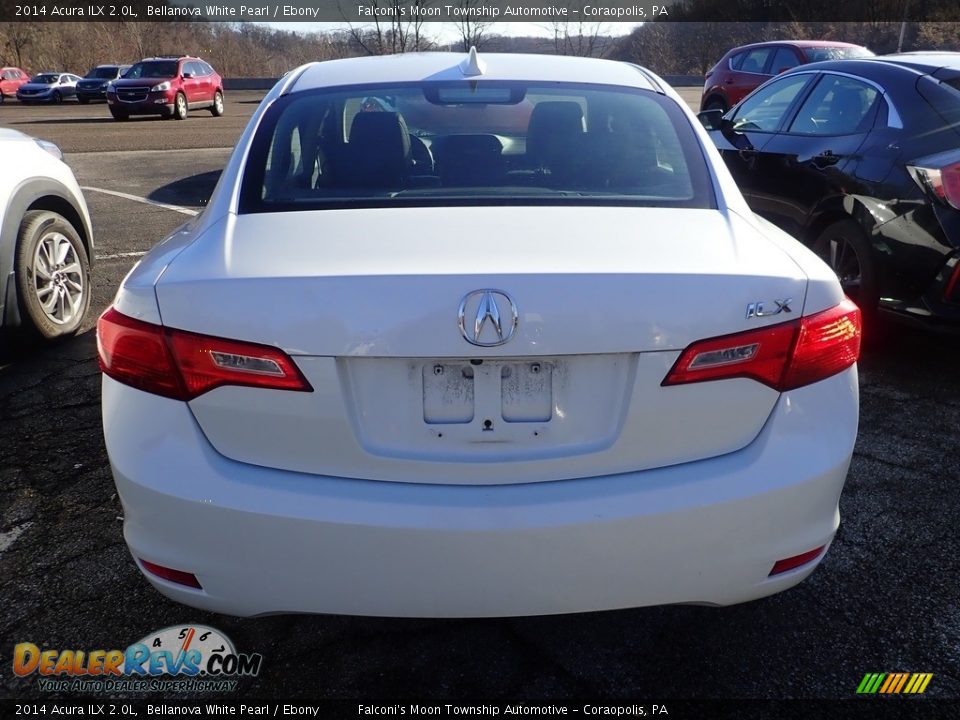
x=194 y=190
x=22 y=353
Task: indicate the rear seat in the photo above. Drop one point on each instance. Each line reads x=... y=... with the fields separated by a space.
x=470 y=160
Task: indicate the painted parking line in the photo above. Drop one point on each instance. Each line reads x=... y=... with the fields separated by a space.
x=146 y=201
x=10 y=537
x=116 y=256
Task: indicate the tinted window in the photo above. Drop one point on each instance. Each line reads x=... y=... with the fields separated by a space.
x=464 y=143
x=756 y=60
x=45 y=79
x=103 y=73
x=783 y=59
x=835 y=53
x=153 y=69
x=765 y=109
x=836 y=106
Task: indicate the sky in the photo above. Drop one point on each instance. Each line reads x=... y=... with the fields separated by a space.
x=447 y=31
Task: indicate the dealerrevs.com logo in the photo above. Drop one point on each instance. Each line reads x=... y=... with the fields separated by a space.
x=185 y=658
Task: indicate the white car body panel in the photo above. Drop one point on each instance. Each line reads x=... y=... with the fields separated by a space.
x=264 y=540
x=29 y=173
x=383 y=491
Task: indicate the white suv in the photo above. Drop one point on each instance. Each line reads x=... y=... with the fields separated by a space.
x=46 y=243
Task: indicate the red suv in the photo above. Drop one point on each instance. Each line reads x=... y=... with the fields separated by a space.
x=747 y=67
x=169 y=86
x=11 y=78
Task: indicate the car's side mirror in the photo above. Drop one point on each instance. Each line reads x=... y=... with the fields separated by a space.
x=711 y=119
x=187 y=75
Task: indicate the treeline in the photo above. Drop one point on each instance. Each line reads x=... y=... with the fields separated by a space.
x=687 y=48
x=249 y=50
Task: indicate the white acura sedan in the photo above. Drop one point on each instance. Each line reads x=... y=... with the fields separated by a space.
x=477 y=336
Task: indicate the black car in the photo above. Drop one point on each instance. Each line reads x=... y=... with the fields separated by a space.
x=93 y=86
x=860 y=160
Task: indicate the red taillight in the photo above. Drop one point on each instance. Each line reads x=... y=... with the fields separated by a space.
x=176 y=576
x=782 y=566
x=951 y=293
x=136 y=354
x=182 y=365
x=784 y=356
x=942 y=183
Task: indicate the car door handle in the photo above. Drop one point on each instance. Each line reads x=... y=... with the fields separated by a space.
x=825 y=159
x=747 y=154
x=729 y=81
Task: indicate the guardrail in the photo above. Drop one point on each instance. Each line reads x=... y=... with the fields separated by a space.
x=267 y=83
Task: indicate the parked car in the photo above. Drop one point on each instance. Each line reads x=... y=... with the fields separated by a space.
x=93 y=86
x=49 y=87
x=46 y=244
x=168 y=86
x=571 y=370
x=860 y=160
x=11 y=78
x=745 y=68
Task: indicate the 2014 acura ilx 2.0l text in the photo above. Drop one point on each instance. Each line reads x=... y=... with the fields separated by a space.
x=507 y=341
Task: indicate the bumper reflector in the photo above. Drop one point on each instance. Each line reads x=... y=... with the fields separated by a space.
x=782 y=566
x=174 y=576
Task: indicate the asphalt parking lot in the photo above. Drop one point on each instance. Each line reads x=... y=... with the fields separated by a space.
x=884 y=600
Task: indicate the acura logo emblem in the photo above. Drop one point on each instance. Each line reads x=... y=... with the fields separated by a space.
x=487 y=317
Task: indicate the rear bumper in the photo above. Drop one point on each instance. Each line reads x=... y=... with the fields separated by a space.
x=92 y=94
x=932 y=310
x=263 y=541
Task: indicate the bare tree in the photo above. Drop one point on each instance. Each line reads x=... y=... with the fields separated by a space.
x=473 y=29
x=584 y=39
x=18 y=37
x=396 y=26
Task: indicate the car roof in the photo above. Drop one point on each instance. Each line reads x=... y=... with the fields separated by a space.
x=169 y=57
x=416 y=67
x=926 y=61
x=796 y=43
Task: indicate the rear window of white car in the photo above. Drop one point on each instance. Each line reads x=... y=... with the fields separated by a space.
x=469 y=143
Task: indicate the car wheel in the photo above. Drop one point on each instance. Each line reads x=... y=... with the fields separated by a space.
x=119 y=114
x=716 y=104
x=53 y=274
x=217 y=108
x=57 y=98
x=180 y=107
x=844 y=247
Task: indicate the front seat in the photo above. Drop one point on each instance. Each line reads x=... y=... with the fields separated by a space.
x=554 y=136
x=378 y=152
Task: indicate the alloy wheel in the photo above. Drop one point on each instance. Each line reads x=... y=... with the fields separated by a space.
x=58 y=278
x=845 y=263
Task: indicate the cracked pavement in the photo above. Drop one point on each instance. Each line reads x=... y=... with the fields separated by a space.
x=885 y=599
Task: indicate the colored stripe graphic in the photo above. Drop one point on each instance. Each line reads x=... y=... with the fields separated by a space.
x=894 y=683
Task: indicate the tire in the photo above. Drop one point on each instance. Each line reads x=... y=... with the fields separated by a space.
x=56 y=98
x=217 y=108
x=180 y=107
x=845 y=248
x=119 y=115
x=53 y=274
x=716 y=104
